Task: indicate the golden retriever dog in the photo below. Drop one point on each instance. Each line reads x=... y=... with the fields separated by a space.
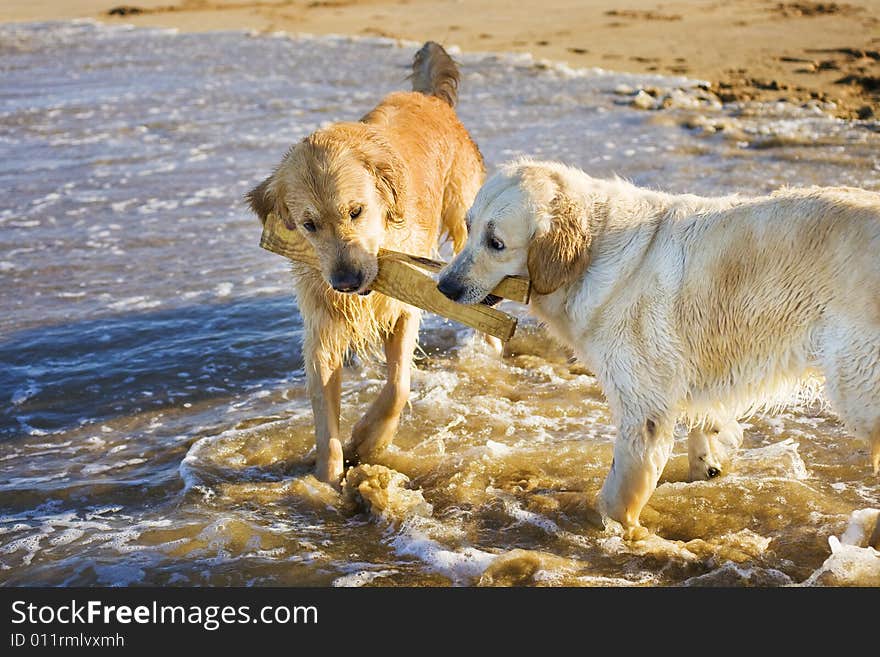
x=398 y=178
x=702 y=309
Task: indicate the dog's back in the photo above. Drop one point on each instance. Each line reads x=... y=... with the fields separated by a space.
x=766 y=281
x=730 y=301
x=736 y=296
x=424 y=128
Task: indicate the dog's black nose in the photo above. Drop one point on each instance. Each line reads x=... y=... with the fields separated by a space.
x=346 y=280
x=451 y=289
x=713 y=472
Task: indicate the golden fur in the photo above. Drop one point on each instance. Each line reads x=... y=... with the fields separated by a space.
x=560 y=255
x=399 y=178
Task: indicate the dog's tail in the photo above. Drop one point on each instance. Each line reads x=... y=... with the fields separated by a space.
x=435 y=73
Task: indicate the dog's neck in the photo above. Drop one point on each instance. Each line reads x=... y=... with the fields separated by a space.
x=624 y=236
x=621 y=237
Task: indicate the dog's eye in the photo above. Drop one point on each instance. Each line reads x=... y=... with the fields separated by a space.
x=354 y=213
x=496 y=244
x=310 y=226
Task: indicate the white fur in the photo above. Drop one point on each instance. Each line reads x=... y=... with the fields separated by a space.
x=702 y=309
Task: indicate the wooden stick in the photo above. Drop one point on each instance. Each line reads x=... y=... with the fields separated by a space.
x=515 y=288
x=404 y=282
x=401 y=277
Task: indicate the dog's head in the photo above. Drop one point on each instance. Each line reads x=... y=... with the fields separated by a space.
x=524 y=221
x=340 y=189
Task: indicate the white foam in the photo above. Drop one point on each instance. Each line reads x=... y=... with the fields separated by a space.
x=67 y=536
x=154 y=205
x=361 y=577
x=779 y=459
x=852 y=561
x=30 y=545
x=641 y=579
x=651 y=545
x=497 y=450
x=460 y=565
x=134 y=303
x=21 y=395
x=31 y=431
x=212 y=192
x=98 y=468
x=740 y=573
x=122 y=206
x=861 y=524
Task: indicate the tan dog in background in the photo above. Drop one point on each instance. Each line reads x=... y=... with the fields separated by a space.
x=688 y=307
x=403 y=174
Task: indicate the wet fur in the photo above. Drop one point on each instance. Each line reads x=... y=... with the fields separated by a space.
x=690 y=308
x=419 y=169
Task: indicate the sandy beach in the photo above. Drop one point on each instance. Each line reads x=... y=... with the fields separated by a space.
x=746 y=49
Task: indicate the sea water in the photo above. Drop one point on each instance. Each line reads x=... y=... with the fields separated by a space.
x=154 y=423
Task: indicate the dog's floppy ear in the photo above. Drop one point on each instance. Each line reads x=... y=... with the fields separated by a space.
x=388 y=169
x=561 y=254
x=265 y=198
x=261 y=199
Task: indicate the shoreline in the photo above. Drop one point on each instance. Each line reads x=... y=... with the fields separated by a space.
x=761 y=50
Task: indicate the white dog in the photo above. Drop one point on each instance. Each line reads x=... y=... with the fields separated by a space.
x=686 y=307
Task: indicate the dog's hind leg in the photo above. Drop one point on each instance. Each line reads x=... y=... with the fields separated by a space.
x=711 y=447
x=323 y=364
x=850 y=359
x=375 y=430
x=640 y=454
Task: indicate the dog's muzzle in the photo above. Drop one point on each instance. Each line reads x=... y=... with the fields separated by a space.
x=451 y=289
x=455 y=291
x=347 y=280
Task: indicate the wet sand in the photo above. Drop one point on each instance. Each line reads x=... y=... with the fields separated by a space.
x=747 y=49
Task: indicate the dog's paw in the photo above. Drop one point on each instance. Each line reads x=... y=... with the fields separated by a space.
x=636 y=533
x=329 y=467
x=368 y=452
x=711 y=451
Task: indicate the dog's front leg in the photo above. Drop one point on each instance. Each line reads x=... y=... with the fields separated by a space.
x=324 y=381
x=640 y=454
x=376 y=428
x=711 y=447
